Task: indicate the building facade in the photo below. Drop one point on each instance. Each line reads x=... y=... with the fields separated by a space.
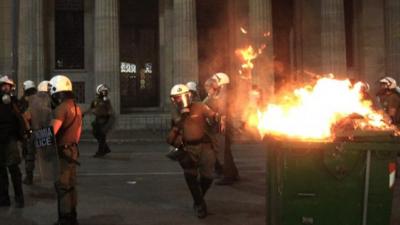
x=141 y=48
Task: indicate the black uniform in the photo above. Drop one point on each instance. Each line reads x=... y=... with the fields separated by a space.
x=11 y=129
x=103 y=122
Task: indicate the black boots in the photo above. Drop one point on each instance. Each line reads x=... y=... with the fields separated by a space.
x=67 y=219
x=16 y=178
x=17 y=185
x=4 y=198
x=5 y=201
x=205 y=184
x=102 y=150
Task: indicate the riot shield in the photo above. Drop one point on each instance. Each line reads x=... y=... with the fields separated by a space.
x=47 y=155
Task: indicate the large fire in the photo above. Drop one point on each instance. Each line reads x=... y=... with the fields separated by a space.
x=314 y=111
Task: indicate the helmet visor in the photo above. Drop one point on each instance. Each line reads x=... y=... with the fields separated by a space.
x=182 y=100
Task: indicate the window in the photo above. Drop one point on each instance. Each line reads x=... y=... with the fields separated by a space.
x=79 y=91
x=139 y=53
x=69 y=34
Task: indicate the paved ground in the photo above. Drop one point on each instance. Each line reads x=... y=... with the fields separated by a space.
x=136 y=184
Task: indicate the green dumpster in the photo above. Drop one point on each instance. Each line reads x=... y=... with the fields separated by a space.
x=330 y=183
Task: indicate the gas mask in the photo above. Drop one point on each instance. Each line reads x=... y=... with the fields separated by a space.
x=6 y=94
x=104 y=95
x=383 y=89
x=55 y=100
x=182 y=102
x=6 y=99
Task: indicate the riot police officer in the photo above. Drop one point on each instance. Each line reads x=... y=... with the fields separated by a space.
x=12 y=128
x=188 y=132
x=389 y=99
x=212 y=101
x=67 y=126
x=40 y=114
x=104 y=119
x=192 y=85
x=27 y=145
x=230 y=171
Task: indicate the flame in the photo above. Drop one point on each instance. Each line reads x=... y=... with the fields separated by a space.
x=312 y=112
x=244 y=31
x=246 y=56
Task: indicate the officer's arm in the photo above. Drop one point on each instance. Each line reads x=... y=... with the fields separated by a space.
x=172 y=135
x=59 y=118
x=216 y=117
x=56 y=124
x=90 y=109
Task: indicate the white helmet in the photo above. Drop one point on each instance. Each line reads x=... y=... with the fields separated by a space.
x=179 y=89
x=100 y=88
x=221 y=78
x=192 y=85
x=181 y=97
x=43 y=86
x=389 y=82
x=60 y=83
x=28 y=84
x=6 y=80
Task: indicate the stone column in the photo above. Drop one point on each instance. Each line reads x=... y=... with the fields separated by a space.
x=371 y=42
x=185 y=41
x=106 y=48
x=260 y=23
x=333 y=38
x=31 y=42
x=6 y=42
x=25 y=35
x=38 y=40
x=166 y=51
x=392 y=38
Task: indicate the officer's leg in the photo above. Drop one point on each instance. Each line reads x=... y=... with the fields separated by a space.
x=218 y=169
x=101 y=140
x=190 y=172
x=230 y=171
x=103 y=136
x=190 y=166
x=16 y=178
x=65 y=189
x=215 y=145
x=74 y=194
x=4 y=197
x=106 y=147
x=206 y=163
x=219 y=162
x=29 y=162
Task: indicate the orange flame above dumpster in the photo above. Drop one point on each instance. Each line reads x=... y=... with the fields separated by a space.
x=312 y=112
x=247 y=56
